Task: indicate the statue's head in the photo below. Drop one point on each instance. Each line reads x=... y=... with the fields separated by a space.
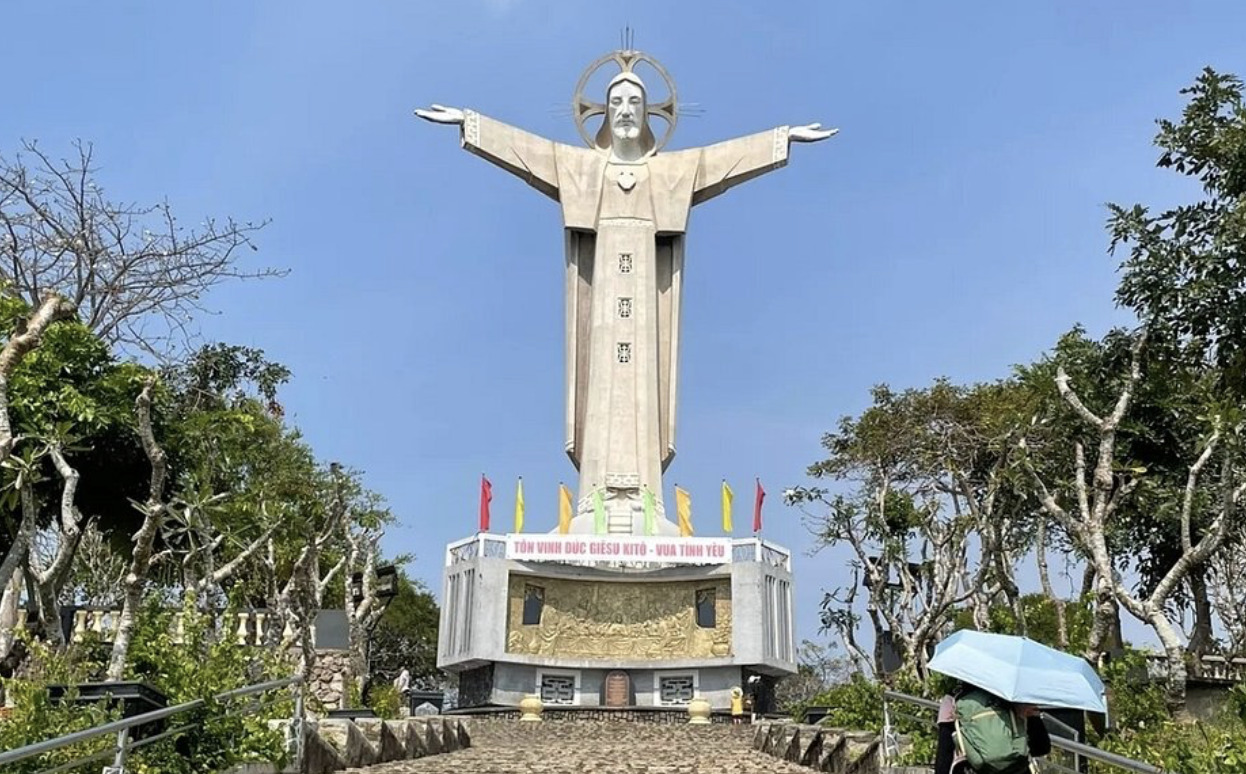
x=627 y=114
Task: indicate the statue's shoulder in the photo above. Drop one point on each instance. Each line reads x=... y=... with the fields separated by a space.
x=574 y=156
x=675 y=160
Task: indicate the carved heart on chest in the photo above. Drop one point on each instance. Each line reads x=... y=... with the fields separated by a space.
x=627 y=179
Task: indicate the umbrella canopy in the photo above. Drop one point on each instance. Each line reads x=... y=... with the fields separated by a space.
x=1020 y=670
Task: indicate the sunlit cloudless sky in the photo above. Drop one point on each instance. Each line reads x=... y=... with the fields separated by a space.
x=953 y=228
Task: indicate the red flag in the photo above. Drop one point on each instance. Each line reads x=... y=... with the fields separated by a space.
x=486 y=496
x=761 y=495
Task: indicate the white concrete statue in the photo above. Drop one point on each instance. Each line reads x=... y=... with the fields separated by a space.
x=625 y=211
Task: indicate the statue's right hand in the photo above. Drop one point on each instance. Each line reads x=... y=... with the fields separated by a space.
x=440 y=114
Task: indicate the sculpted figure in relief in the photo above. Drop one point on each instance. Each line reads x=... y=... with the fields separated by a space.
x=609 y=620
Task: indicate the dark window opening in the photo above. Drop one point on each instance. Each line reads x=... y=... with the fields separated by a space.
x=533 y=604
x=707 y=617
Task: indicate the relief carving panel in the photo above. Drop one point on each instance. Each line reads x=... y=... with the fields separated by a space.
x=642 y=621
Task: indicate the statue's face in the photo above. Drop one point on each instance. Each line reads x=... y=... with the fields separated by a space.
x=625 y=105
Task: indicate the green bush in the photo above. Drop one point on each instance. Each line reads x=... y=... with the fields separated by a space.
x=1144 y=729
x=385 y=701
x=34 y=717
x=197 y=665
x=856 y=703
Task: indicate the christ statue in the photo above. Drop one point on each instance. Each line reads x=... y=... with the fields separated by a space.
x=625 y=207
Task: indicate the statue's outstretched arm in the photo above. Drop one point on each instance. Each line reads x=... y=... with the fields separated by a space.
x=523 y=154
x=727 y=164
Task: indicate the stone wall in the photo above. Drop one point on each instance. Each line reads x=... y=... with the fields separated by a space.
x=326 y=685
x=831 y=750
x=337 y=745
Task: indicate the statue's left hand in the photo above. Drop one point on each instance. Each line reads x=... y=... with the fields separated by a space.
x=810 y=133
x=441 y=114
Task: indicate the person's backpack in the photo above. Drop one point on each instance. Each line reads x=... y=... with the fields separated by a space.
x=990 y=735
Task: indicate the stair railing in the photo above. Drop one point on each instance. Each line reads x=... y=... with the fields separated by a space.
x=1077 y=749
x=120 y=751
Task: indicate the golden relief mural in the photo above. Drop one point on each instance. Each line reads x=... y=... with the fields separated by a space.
x=587 y=619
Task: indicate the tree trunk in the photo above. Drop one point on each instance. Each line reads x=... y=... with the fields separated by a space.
x=1088 y=579
x=132 y=594
x=8 y=614
x=1044 y=578
x=144 y=540
x=1201 y=636
x=1174 y=652
x=29 y=335
x=1105 y=629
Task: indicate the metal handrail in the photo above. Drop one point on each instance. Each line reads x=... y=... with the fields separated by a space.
x=122 y=728
x=1068 y=745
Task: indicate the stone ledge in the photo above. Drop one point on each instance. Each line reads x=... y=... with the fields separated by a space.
x=556 y=713
x=341 y=744
x=831 y=750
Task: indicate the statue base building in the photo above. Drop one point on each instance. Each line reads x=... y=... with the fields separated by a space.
x=615 y=620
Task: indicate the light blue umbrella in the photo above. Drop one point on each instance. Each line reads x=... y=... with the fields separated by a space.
x=1020 y=670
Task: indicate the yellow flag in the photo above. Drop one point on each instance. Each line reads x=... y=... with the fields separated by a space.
x=564 y=509
x=728 y=497
x=683 y=507
x=519 y=506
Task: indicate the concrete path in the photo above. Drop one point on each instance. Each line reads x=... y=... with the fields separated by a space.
x=588 y=747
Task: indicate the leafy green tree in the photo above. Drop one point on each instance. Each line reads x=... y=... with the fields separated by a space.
x=1185 y=273
x=927 y=469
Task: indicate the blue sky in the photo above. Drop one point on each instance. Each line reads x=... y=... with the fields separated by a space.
x=953 y=228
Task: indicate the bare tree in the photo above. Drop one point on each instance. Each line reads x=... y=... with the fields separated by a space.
x=817 y=669
x=1227 y=581
x=136 y=274
x=914 y=578
x=363 y=614
x=1099 y=496
x=98 y=571
x=294 y=602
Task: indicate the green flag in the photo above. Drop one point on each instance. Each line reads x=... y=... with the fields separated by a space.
x=651 y=513
x=599 y=513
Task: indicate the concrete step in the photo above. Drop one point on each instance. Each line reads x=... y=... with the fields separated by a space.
x=590 y=747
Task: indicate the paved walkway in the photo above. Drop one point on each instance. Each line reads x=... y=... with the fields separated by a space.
x=588 y=747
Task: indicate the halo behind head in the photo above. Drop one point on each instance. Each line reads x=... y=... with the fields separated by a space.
x=583 y=108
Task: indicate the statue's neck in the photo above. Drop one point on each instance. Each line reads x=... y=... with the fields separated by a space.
x=626 y=150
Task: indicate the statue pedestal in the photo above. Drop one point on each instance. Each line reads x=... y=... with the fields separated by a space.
x=582 y=631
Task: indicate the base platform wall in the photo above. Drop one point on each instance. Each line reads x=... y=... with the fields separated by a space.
x=511 y=629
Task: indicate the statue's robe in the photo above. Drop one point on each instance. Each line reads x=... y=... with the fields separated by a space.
x=625 y=226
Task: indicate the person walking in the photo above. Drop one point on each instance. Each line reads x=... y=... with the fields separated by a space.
x=737 y=705
x=980 y=733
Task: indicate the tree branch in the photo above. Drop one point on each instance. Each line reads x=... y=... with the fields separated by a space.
x=51 y=308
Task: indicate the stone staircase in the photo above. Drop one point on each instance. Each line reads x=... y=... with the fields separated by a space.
x=505 y=746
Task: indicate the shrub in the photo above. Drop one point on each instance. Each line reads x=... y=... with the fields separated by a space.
x=385 y=701
x=197 y=665
x=34 y=717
